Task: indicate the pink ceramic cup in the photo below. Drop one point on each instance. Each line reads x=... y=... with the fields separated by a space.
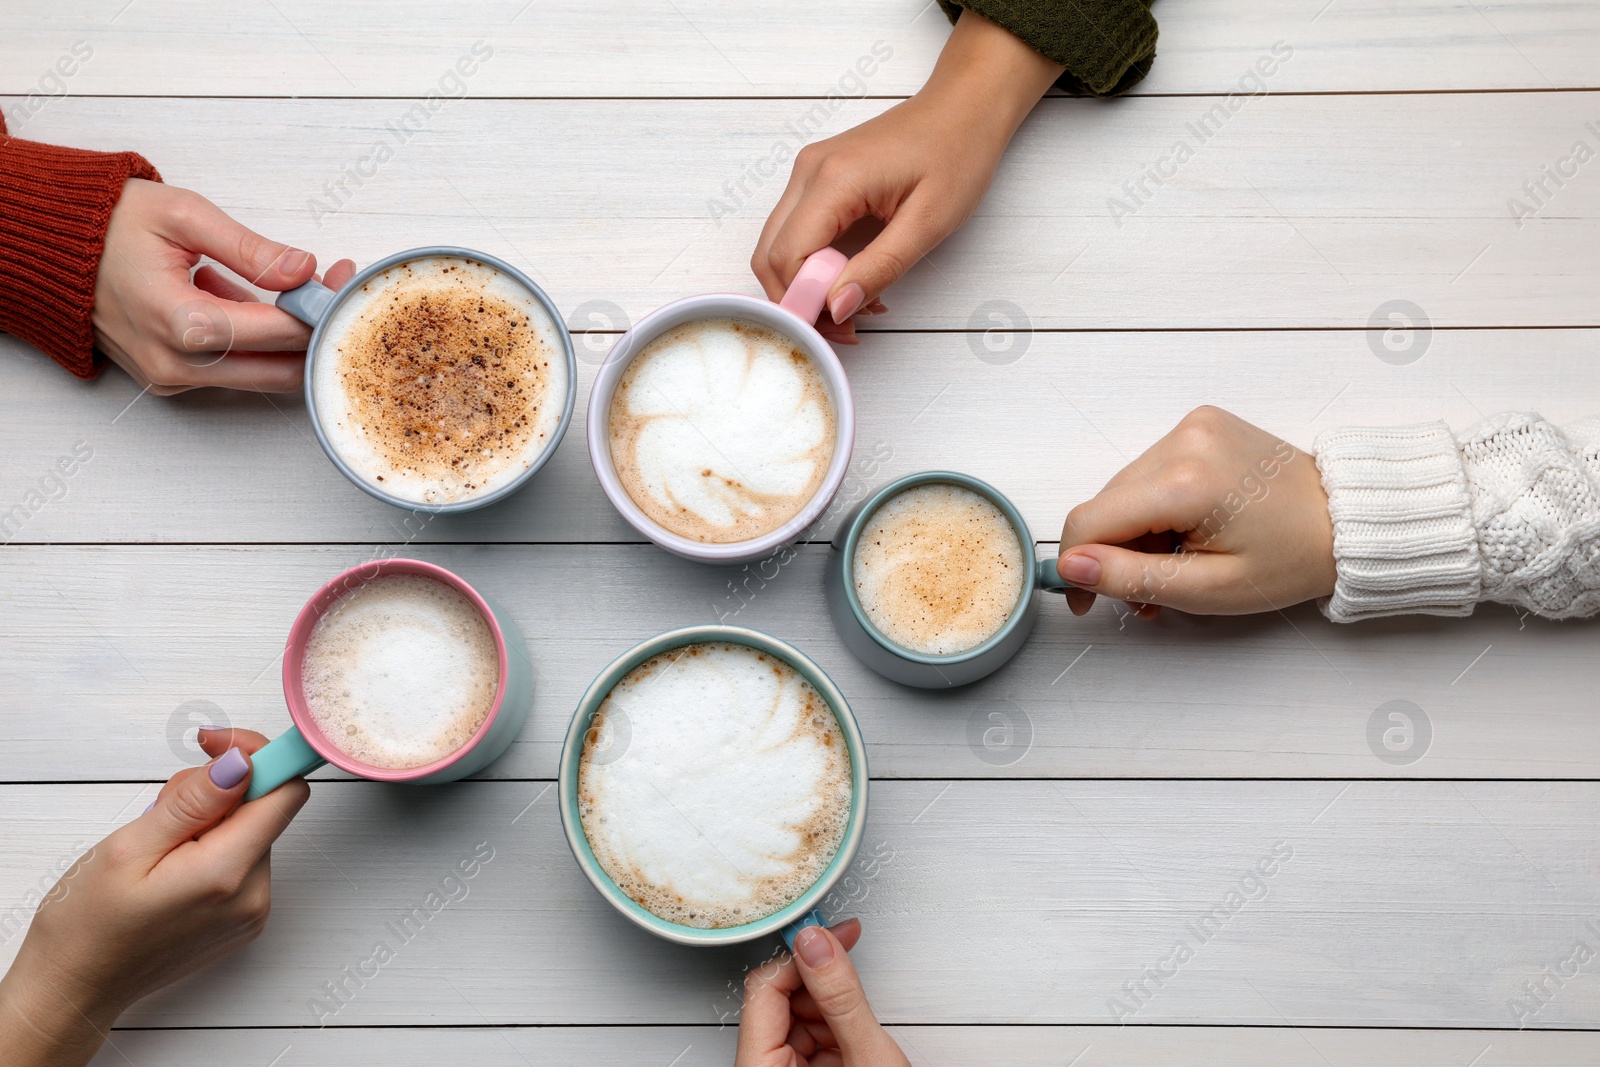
x=793 y=317
x=304 y=747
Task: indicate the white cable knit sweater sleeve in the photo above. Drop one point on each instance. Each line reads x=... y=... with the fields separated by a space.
x=1431 y=523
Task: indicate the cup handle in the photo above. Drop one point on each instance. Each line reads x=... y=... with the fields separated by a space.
x=810 y=918
x=309 y=303
x=285 y=757
x=809 y=290
x=1048 y=577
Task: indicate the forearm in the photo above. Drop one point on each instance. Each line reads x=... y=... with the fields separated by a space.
x=45 y=1025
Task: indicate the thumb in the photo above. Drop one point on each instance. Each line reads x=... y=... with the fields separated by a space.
x=1187 y=581
x=834 y=985
x=915 y=230
x=201 y=226
x=191 y=804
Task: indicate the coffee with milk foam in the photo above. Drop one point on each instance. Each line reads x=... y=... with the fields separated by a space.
x=939 y=569
x=714 y=785
x=722 y=430
x=441 y=380
x=400 y=672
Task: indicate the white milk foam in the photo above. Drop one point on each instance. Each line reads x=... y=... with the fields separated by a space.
x=714 y=785
x=939 y=569
x=401 y=672
x=429 y=429
x=722 y=430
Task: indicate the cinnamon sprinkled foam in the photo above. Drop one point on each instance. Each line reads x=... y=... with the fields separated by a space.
x=442 y=380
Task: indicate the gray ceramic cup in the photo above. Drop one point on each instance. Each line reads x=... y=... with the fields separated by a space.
x=868 y=644
x=314 y=304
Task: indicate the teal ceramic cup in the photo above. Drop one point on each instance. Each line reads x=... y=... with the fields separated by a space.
x=303 y=747
x=868 y=644
x=315 y=304
x=803 y=911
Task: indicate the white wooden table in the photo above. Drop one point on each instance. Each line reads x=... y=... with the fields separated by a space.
x=1151 y=766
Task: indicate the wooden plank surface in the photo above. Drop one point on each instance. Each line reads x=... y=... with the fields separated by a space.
x=727 y=48
x=1385 y=903
x=927 y=1046
x=1048 y=428
x=131 y=638
x=1298 y=212
x=1024 y=889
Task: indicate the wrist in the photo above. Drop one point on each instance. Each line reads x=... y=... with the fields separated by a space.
x=47 y=1021
x=989 y=75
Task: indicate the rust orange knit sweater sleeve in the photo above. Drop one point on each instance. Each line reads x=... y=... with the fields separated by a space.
x=55 y=204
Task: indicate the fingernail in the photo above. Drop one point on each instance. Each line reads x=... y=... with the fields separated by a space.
x=229 y=770
x=147 y=808
x=293 y=261
x=813 y=947
x=213 y=729
x=846 y=302
x=1079 y=570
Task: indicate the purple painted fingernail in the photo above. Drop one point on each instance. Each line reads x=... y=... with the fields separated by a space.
x=147 y=808
x=230 y=769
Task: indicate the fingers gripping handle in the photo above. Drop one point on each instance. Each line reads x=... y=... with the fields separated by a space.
x=810 y=918
x=286 y=757
x=809 y=290
x=1048 y=575
x=309 y=302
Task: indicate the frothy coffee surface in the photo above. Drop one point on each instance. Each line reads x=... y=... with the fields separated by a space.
x=442 y=380
x=400 y=672
x=721 y=430
x=714 y=785
x=939 y=569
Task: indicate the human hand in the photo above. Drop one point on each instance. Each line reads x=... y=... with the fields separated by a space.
x=171 y=332
x=921 y=167
x=809 y=1010
x=1217 y=518
x=176 y=889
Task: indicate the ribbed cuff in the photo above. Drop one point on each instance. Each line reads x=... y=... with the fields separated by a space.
x=1403 y=538
x=1107 y=46
x=55 y=205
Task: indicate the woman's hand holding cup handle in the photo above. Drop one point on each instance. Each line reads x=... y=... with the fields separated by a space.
x=809 y=1009
x=179 y=887
x=1219 y=517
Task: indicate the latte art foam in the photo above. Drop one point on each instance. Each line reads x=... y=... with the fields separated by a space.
x=443 y=379
x=721 y=430
x=400 y=672
x=939 y=569
x=714 y=785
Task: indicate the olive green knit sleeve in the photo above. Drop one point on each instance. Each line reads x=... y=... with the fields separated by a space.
x=1107 y=46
